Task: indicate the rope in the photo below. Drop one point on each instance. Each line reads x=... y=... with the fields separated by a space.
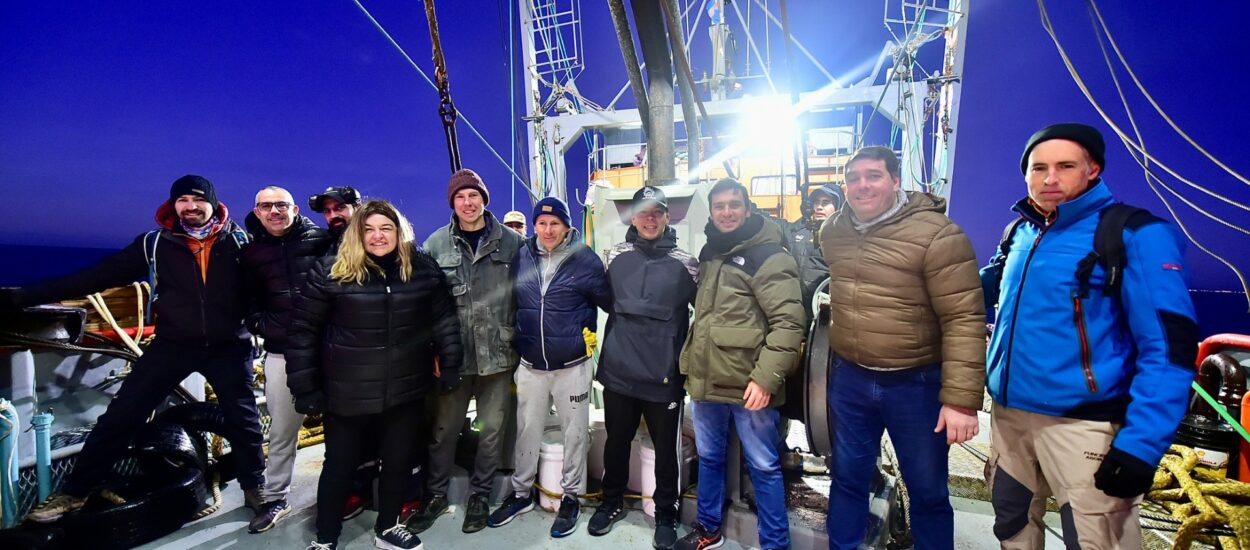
x=97 y=302
x=23 y=339
x=216 y=488
x=1210 y=504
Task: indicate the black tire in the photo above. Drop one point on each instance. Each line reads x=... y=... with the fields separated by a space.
x=203 y=418
x=151 y=511
x=164 y=449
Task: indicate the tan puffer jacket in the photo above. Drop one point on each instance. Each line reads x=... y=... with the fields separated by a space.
x=906 y=293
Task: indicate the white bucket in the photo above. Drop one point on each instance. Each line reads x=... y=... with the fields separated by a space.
x=646 y=469
x=551 y=468
x=598 y=440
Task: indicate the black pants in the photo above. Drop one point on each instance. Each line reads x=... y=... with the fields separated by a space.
x=227 y=368
x=392 y=436
x=621 y=415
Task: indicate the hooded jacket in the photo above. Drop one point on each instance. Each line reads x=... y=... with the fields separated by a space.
x=906 y=293
x=192 y=306
x=557 y=294
x=653 y=284
x=481 y=282
x=1126 y=358
x=277 y=268
x=369 y=347
x=748 y=323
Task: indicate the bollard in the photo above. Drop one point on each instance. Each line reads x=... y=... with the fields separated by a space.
x=8 y=463
x=42 y=423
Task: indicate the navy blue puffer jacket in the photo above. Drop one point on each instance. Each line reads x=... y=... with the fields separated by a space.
x=554 y=307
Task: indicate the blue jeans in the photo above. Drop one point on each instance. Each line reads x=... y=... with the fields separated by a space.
x=758 y=431
x=905 y=402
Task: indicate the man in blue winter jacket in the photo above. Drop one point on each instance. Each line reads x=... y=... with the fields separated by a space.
x=560 y=283
x=1089 y=384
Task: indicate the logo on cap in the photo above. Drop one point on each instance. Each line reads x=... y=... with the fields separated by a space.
x=648 y=192
x=546 y=208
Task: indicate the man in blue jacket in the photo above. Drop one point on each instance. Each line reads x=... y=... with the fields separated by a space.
x=1088 y=385
x=560 y=282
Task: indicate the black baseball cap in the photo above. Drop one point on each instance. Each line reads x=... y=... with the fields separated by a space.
x=343 y=194
x=649 y=195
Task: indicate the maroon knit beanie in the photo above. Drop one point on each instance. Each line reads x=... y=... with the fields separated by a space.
x=463 y=178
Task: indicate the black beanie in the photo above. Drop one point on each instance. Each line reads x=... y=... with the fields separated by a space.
x=1085 y=136
x=191 y=184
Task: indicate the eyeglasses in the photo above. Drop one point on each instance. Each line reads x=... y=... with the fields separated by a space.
x=279 y=206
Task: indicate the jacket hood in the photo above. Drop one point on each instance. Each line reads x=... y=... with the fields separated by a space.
x=167 y=217
x=571 y=237
x=916 y=202
x=258 y=231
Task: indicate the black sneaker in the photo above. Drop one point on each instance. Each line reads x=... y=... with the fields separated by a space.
x=512 y=507
x=430 y=510
x=566 y=518
x=665 y=532
x=397 y=538
x=268 y=516
x=700 y=539
x=606 y=515
x=476 y=512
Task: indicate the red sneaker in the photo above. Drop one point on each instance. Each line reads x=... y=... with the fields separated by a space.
x=408 y=510
x=355 y=505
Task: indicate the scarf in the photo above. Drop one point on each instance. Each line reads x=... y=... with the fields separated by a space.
x=863 y=226
x=719 y=243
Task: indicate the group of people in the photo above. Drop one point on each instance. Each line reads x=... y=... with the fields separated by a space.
x=361 y=325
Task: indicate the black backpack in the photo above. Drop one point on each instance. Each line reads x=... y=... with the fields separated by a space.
x=1108 y=248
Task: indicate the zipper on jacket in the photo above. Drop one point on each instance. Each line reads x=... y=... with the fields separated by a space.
x=542 y=312
x=390 y=321
x=1078 y=316
x=203 y=284
x=1015 y=312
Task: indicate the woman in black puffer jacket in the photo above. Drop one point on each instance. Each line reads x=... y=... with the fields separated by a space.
x=361 y=349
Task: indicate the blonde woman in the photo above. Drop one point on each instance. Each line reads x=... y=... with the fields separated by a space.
x=363 y=343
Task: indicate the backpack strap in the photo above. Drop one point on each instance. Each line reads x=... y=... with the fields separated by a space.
x=150 y=240
x=1004 y=246
x=1109 y=246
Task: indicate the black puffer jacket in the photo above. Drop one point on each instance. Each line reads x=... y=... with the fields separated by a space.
x=801 y=241
x=277 y=268
x=653 y=285
x=192 y=308
x=369 y=347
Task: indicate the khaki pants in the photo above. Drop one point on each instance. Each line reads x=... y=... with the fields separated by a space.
x=1036 y=456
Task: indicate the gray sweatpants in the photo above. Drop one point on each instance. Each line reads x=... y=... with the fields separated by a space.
x=570 y=389
x=283 y=429
x=494 y=407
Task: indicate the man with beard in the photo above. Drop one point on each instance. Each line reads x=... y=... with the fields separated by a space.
x=285 y=245
x=199 y=301
x=475 y=252
x=653 y=283
x=745 y=340
x=337 y=204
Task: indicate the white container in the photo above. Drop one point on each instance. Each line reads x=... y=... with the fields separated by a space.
x=551 y=468
x=598 y=440
x=646 y=469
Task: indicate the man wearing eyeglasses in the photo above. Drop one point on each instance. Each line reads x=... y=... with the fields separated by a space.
x=284 y=247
